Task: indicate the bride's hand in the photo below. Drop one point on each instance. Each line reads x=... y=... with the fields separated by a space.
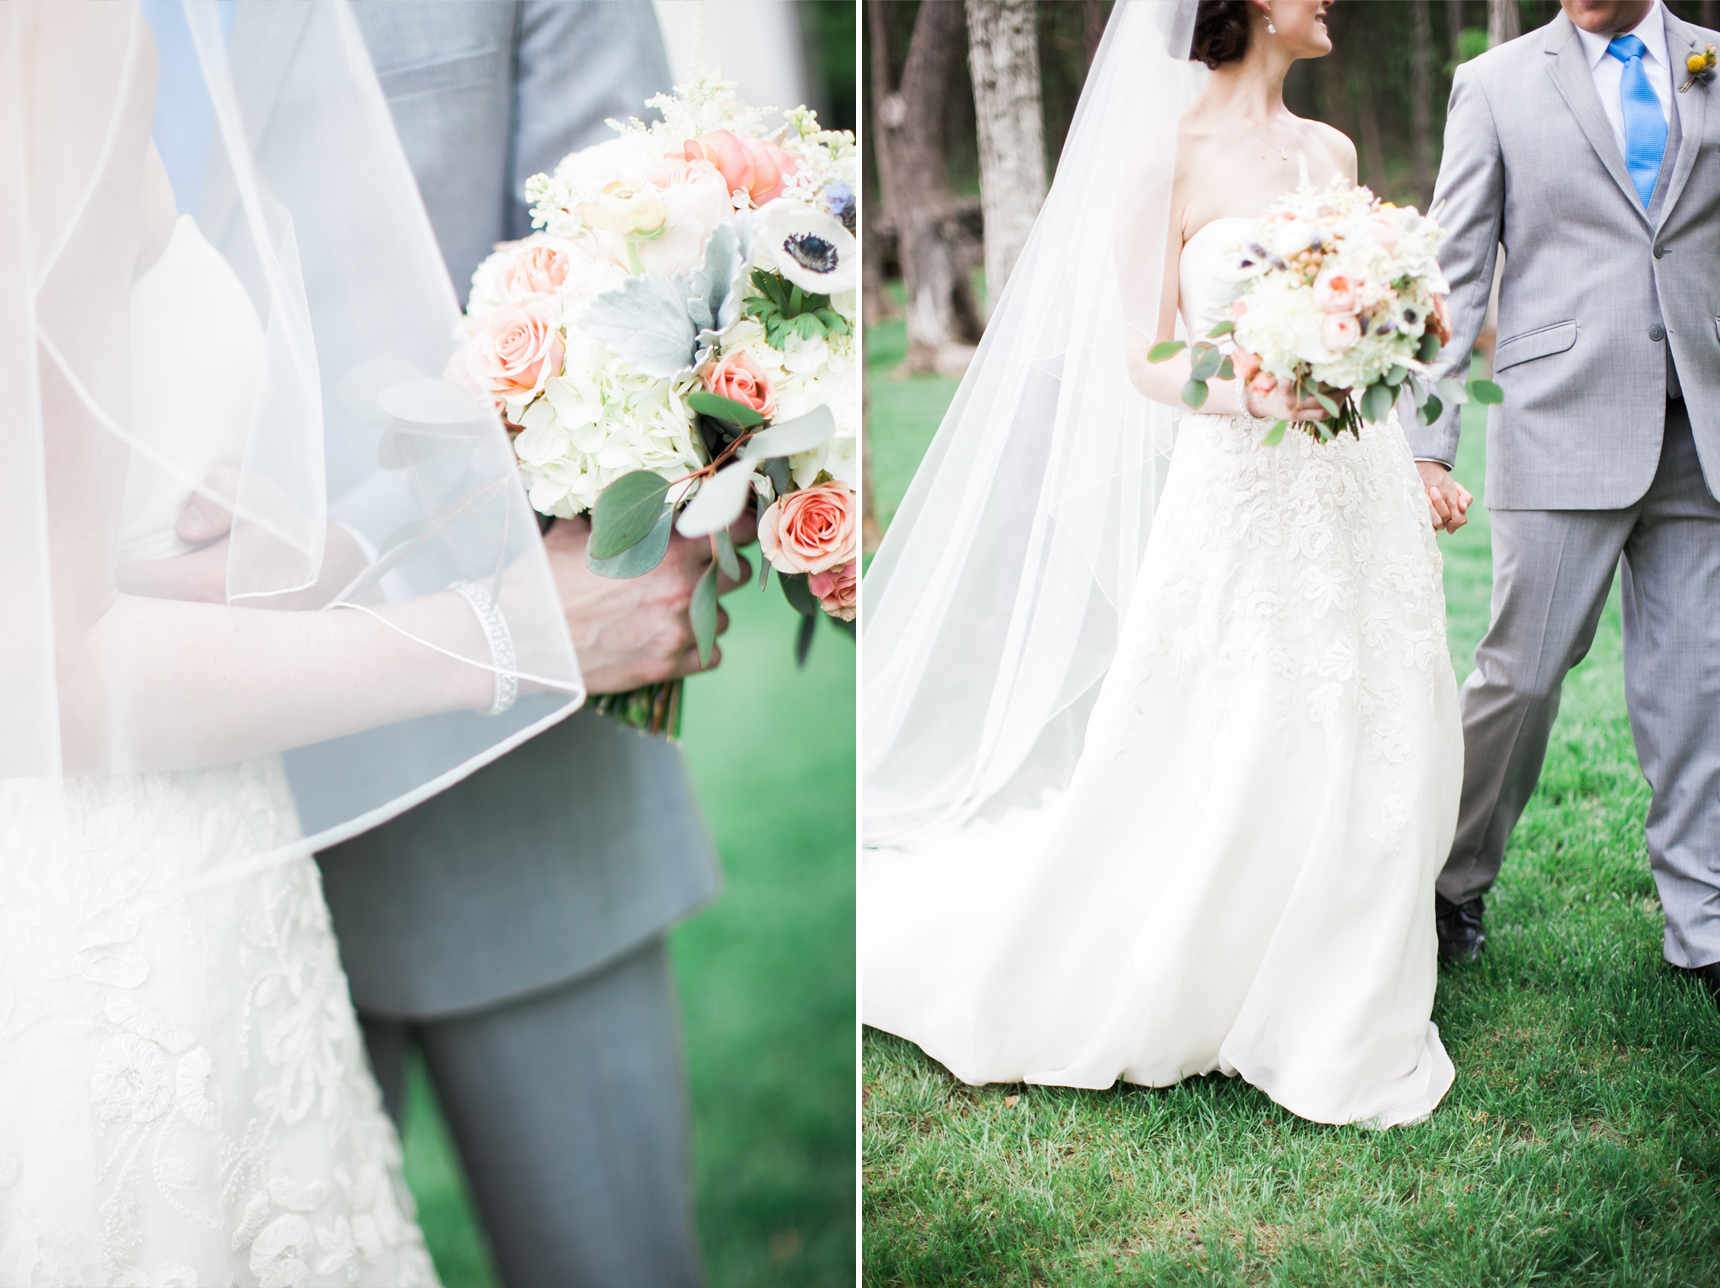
x=201 y=575
x=1281 y=403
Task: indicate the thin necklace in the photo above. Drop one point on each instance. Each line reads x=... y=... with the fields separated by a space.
x=1282 y=154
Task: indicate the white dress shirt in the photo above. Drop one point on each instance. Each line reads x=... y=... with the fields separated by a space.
x=1609 y=71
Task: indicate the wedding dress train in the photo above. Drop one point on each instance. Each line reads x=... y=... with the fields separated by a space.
x=1240 y=875
x=202 y=1112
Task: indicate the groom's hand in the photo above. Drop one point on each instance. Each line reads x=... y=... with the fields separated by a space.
x=1447 y=499
x=634 y=631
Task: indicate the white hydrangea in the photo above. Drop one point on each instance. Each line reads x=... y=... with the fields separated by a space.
x=600 y=419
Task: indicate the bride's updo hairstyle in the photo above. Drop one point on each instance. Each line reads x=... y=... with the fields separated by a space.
x=1220 y=32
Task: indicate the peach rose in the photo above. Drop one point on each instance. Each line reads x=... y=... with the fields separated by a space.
x=747 y=165
x=1245 y=364
x=1339 y=331
x=1386 y=229
x=1335 y=292
x=1237 y=309
x=539 y=268
x=736 y=378
x=812 y=530
x=513 y=351
x=1440 y=322
x=838 y=589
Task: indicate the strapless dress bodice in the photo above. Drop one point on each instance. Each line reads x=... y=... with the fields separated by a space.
x=1205 y=292
x=198 y=357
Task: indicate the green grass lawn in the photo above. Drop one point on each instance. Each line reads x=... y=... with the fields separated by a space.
x=1579 y=1146
x=766 y=976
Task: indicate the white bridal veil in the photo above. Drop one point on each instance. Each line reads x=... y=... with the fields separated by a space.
x=992 y=608
x=362 y=485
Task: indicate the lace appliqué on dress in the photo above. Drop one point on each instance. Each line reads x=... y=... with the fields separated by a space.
x=202 y=1109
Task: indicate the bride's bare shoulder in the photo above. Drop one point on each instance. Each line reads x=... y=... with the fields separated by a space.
x=1340 y=150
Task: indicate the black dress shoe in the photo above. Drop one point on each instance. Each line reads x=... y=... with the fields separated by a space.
x=1708 y=976
x=1459 y=924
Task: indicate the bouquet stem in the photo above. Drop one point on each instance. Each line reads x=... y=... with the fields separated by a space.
x=653 y=708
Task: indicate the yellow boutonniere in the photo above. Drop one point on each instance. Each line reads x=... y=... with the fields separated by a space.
x=1701 y=68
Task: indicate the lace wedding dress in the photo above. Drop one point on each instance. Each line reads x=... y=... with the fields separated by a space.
x=200 y=1107
x=1240 y=875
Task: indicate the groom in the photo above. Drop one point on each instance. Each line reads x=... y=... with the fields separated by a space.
x=1579 y=148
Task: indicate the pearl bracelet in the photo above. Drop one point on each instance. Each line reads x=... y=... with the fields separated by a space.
x=495 y=628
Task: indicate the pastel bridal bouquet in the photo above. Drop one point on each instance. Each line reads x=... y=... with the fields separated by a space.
x=678 y=343
x=1339 y=295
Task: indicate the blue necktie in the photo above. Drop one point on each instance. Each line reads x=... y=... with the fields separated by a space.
x=1644 y=126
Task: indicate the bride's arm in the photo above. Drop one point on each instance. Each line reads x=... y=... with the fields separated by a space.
x=149 y=683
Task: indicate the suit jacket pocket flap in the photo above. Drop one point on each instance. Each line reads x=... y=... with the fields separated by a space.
x=1534 y=344
x=440 y=75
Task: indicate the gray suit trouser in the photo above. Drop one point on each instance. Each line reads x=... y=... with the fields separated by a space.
x=594 y=1070
x=1552 y=571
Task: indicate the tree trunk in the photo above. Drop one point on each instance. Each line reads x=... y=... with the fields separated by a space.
x=1503 y=22
x=1710 y=14
x=1454 y=29
x=1373 y=150
x=1003 y=60
x=943 y=325
x=1421 y=102
x=1093 y=27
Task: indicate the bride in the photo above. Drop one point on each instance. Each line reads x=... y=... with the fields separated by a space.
x=184 y=1096
x=1151 y=806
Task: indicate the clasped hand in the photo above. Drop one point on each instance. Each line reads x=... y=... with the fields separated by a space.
x=626 y=632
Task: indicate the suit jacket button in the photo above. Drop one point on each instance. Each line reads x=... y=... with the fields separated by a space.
x=1656 y=333
x=1659 y=252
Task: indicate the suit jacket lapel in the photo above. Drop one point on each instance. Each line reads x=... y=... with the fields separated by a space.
x=1681 y=42
x=1570 y=72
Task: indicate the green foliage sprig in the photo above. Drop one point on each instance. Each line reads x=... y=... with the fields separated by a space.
x=786 y=310
x=1374 y=403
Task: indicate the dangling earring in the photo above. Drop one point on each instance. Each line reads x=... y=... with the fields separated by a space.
x=1270 y=29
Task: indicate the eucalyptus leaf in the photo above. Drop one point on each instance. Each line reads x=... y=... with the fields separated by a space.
x=1453 y=391
x=718 y=502
x=357 y=389
x=726 y=410
x=798 y=594
x=1395 y=376
x=780 y=476
x=1227 y=370
x=640 y=557
x=1430 y=347
x=788 y=437
x=763 y=573
x=1207 y=361
x=1223 y=328
x=1377 y=402
x=1165 y=351
x=1331 y=407
x=1194 y=393
x=626 y=512
x=1275 y=435
x=803 y=639
x=703 y=612
x=1430 y=410
x=1486 y=392
x=431 y=402
x=727 y=559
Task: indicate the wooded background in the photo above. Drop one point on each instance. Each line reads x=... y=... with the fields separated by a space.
x=933 y=207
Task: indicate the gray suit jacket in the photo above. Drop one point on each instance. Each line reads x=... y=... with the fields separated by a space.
x=1595 y=287
x=585 y=842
